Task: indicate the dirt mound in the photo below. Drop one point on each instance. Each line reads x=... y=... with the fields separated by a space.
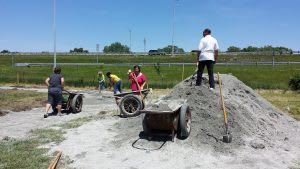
x=253 y=121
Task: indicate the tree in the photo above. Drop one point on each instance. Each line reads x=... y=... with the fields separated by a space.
x=116 y=47
x=267 y=48
x=5 y=51
x=79 y=50
x=168 y=49
x=233 y=49
x=250 y=49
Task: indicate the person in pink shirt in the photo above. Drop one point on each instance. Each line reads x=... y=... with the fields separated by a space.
x=138 y=79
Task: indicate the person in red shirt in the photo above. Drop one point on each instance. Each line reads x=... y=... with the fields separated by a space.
x=138 y=79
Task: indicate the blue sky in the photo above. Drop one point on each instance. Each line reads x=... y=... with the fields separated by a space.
x=28 y=25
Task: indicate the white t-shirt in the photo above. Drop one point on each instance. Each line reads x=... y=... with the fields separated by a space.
x=207 y=46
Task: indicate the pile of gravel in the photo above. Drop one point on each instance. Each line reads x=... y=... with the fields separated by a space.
x=253 y=121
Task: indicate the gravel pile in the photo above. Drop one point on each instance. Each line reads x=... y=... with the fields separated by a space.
x=253 y=121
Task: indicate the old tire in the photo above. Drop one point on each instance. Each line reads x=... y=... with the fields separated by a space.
x=76 y=103
x=184 y=121
x=130 y=106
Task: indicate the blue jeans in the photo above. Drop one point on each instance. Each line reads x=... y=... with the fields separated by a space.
x=101 y=85
x=117 y=86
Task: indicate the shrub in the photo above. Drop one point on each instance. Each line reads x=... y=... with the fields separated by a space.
x=294 y=83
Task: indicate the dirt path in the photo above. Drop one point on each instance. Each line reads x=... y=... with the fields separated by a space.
x=18 y=124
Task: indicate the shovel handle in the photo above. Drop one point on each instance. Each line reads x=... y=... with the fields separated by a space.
x=222 y=100
x=54 y=162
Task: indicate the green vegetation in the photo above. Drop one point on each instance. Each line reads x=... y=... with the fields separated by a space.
x=45 y=136
x=79 y=50
x=267 y=48
x=294 y=83
x=28 y=153
x=286 y=101
x=116 y=47
x=75 y=123
x=17 y=100
x=256 y=76
x=22 y=154
x=168 y=49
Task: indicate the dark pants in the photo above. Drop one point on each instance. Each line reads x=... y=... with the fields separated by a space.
x=210 y=68
x=55 y=97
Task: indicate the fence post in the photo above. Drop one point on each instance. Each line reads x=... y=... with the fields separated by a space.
x=273 y=59
x=182 y=71
x=18 y=78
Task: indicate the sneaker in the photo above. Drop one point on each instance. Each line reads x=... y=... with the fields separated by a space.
x=45 y=115
x=212 y=89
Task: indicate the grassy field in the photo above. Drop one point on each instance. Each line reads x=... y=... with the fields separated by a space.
x=16 y=100
x=7 y=59
x=258 y=77
x=286 y=101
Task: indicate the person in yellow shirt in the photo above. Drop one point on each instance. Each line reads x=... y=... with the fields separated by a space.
x=114 y=81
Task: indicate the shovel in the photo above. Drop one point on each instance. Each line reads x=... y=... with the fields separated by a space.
x=227 y=138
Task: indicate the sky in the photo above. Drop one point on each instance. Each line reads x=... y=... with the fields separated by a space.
x=27 y=25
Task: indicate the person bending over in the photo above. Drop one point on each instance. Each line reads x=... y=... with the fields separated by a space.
x=114 y=81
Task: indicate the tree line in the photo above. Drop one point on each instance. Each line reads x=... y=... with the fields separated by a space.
x=118 y=47
x=267 y=48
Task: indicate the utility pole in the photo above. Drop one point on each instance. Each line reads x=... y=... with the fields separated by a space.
x=54 y=30
x=12 y=59
x=145 y=45
x=129 y=40
x=173 y=26
x=97 y=49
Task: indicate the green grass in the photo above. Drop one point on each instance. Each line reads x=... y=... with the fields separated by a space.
x=287 y=101
x=45 y=136
x=20 y=100
x=258 y=77
x=75 y=123
x=7 y=59
x=28 y=153
x=22 y=154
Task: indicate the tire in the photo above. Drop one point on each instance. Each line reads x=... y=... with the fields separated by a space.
x=184 y=121
x=130 y=105
x=76 y=103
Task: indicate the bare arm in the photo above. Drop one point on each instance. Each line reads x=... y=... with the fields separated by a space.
x=47 y=81
x=62 y=80
x=142 y=86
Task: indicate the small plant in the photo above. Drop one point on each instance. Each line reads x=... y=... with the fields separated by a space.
x=294 y=83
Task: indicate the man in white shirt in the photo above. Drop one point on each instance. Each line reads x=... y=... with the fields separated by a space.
x=207 y=56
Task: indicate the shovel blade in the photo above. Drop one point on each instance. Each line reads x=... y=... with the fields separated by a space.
x=227 y=138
